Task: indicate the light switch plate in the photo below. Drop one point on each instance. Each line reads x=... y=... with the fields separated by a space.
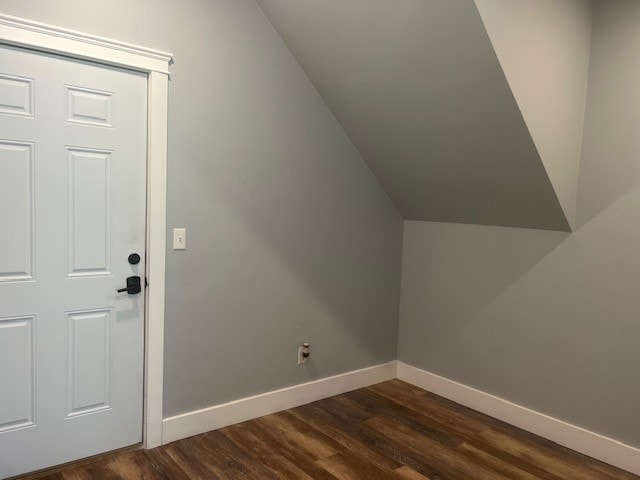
x=179 y=238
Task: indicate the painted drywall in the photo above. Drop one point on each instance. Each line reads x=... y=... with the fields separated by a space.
x=418 y=88
x=543 y=47
x=546 y=319
x=290 y=236
x=610 y=167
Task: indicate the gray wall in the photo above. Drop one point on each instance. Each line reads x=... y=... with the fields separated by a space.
x=418 y=88
x=548 y=320
x=551 y=85
x=290 y=237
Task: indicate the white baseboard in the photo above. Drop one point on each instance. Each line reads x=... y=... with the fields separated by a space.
x=589 y=443
x=218 y=416
x=576 y=438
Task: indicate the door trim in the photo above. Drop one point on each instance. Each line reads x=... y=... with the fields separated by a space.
x=19 y=32
x=48 y=38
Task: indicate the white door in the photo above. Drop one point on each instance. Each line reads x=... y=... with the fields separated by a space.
x=72 y=210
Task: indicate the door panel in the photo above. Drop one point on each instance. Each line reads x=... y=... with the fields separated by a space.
x=89 y=350
x=72 y=209
x=89 y=107
x=89 y=217
x=16 y=95
x=16 y=350
x=16 y=211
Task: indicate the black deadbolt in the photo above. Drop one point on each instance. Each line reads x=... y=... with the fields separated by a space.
x=134 y=259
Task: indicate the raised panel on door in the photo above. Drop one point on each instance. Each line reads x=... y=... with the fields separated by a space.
x=16 y=210
x=17 y=373
x=89 y=107
x=16 y=95
x=89 y=214
x=89 y=361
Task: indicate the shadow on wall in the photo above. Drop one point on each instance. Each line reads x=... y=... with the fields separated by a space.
x=611 y=135
x=544 y=319
x=609 y=167
x=453 y=271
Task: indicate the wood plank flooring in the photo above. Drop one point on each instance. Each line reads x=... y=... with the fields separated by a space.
x=387 y=431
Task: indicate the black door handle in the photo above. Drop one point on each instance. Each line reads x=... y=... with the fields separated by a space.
x=133 y=286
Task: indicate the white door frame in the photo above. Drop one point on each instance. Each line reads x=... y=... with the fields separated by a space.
x=46 y=38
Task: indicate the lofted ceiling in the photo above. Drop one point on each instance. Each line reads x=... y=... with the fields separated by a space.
x=418 y=87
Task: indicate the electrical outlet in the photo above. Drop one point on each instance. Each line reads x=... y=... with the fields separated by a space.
x=303 y=353
x=301 y=359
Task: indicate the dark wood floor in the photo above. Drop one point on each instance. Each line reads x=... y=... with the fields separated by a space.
x=388 y=431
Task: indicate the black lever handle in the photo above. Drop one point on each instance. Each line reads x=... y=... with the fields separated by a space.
x=133 y=286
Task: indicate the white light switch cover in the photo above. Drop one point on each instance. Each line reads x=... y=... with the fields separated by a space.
x=179 y=238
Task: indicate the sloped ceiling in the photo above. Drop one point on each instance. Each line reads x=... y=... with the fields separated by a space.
x=417 y=86
x=544 y=47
